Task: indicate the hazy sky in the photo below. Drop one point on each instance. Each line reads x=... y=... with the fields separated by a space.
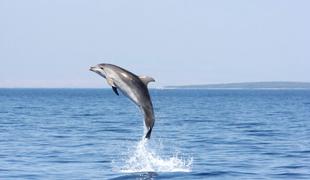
x=52 y=43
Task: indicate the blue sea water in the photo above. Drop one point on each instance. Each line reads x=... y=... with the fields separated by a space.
x=198 y=134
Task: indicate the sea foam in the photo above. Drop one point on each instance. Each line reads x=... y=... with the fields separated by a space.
x=145 y=158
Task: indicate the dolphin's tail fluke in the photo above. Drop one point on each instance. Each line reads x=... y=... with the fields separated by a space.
x=148 y=134
x=148 y=120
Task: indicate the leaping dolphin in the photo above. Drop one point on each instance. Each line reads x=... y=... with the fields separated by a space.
x=132 y=86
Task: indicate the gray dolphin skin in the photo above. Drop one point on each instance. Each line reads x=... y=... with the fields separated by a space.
x=132 y=86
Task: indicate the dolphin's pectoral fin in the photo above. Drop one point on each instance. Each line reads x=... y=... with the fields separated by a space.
x=146 y=79
x=115 y=90
x=110 y=82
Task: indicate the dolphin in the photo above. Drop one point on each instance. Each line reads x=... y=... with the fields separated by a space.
x=132 y=86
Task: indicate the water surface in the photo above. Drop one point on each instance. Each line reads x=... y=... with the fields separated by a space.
x=198 y=134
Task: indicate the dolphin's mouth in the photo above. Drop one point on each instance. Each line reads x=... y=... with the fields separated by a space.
x=92 y=68
x=97 y=70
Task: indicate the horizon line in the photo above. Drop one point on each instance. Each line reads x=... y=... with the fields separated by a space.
x=151 y=87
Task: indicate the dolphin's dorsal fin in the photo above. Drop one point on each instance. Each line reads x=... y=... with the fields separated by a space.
x=146 y=79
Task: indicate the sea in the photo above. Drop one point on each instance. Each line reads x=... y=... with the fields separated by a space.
x=198 y=134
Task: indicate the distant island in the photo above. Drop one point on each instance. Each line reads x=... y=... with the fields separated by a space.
x=248 y=85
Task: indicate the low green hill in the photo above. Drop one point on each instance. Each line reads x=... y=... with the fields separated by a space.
x=249 y=85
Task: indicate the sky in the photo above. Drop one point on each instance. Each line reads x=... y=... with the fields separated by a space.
x=52 y=43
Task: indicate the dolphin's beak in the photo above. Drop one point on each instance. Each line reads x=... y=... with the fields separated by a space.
x=97 y=70
x=93 y=68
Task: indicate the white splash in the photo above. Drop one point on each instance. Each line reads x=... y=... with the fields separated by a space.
x=144 y=159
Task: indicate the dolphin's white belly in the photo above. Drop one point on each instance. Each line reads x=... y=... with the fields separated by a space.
x=128 y=92
x=122 y=86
